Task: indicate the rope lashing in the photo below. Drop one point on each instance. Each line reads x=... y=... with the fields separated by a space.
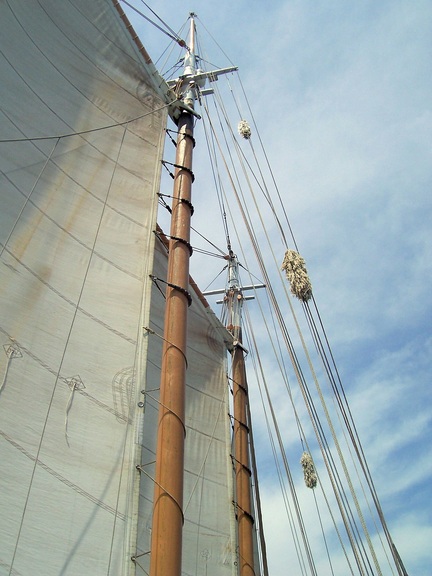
x=296 y=273
x=309 y=473
x=244 y=129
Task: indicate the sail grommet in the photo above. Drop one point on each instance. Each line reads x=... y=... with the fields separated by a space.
x=140 y=404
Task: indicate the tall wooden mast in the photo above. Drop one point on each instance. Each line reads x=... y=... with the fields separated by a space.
x=167 y=523
x=245 y=520
x=166 y=542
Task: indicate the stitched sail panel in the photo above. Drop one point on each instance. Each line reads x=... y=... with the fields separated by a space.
x=76 y=221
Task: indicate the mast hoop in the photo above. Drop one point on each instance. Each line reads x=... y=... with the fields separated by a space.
x=150 y=331
x=183 y=241
x=179 y=288
x=248 y=470
x=183 y=200
x=188 y=203
x=242 y=424
x=245 y=512
x=185 y=135
x=164 y=490
x=180 y=167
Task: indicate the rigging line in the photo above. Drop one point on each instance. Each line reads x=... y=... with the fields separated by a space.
x=243 y=210
x=268 y=165
x=215 y=278
x=28 y=197
x=90 y=130
x=323 y=533
x=237 y=189
x=254 y=350
x=297 y=508
x=315 y=379
x=342 y=415
x=240 y=153
x=72 y=324
x=301 y=382
x=248 y=226
x=347 y=475
x=222 y=252
x=301 y=433
x=150 y=331
x=208 y=253
x=215 y=41
x=214 y=165
x=289 y=514
x=171 y=34
x=360 y=452
x=361 y=483
x=260 y=377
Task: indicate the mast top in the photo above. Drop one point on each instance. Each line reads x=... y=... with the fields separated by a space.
x=190 y=85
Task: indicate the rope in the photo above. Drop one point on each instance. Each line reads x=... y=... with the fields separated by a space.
x=89 y=131
x=249 y=218
x=243 y=210
x=171 y=34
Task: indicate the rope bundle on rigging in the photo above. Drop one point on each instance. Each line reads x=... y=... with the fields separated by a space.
x=296 y=273
x=310 y=476
x=244 y=129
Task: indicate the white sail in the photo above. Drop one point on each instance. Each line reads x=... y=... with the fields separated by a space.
x=77 y=215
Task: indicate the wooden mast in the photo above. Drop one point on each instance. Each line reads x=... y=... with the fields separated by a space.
x=167 y=523
x=245 y=520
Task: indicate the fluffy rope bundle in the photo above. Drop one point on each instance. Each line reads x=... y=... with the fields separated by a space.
x=244 y=129
x=310 y=476
x=295 y=270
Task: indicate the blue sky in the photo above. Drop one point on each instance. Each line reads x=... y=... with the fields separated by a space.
x=341 y=93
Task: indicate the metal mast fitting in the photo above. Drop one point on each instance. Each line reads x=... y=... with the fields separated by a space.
x=191 y=83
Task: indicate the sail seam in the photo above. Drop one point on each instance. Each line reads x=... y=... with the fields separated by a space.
x=62 y=478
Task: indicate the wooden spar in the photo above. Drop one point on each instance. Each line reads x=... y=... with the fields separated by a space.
x=245 y=520
x=242 y=467
x=167 y=523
